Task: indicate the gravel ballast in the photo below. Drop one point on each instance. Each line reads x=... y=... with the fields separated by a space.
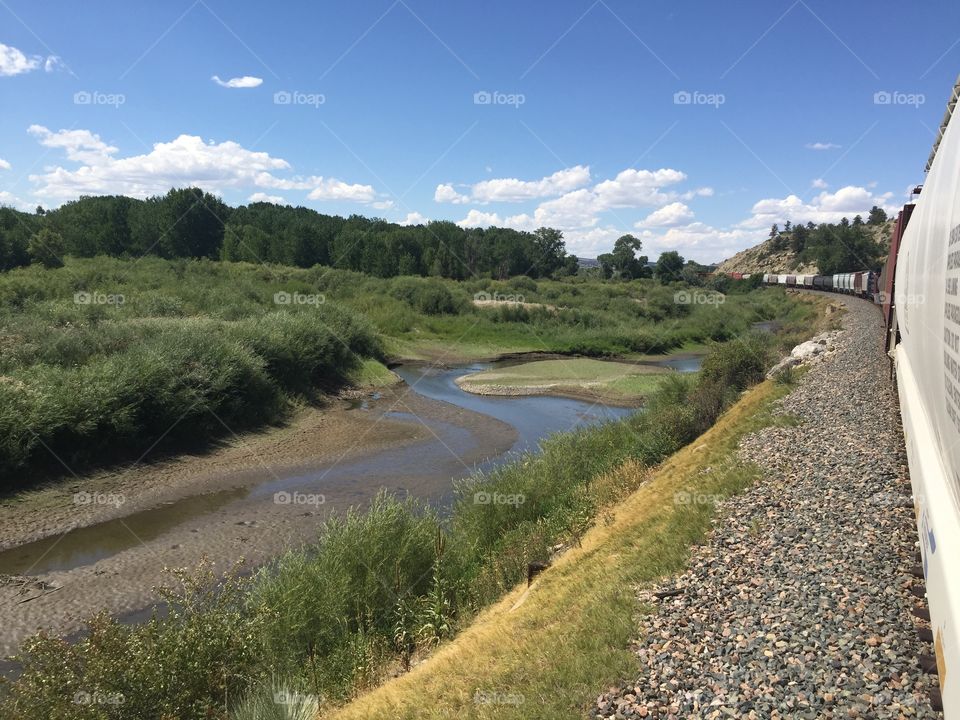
x=799 y=603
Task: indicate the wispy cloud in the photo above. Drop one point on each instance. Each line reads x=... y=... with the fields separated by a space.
x=15 y=62
x=822 y=146
x=247 y=81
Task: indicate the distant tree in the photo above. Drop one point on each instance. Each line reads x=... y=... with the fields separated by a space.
x=798 y=240
x=625 y=260
x=47 y=248
x=645 y=271
x=775 y=230
x=857 y=221
x=607 y=264
x=786 y=226
x=571 y=266
x=692 y=273
x=669 y=266
x=548 y=251
x=191 y=224
x=877 y=216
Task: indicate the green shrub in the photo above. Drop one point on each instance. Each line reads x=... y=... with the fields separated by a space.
x=183 y=666
x=739 y=363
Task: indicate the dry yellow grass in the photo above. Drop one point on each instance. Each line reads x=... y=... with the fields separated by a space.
x=548 y=651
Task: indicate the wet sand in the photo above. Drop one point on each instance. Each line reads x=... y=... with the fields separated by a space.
x=223 y=505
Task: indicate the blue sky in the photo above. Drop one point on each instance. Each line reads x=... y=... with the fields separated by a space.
x=693 y=125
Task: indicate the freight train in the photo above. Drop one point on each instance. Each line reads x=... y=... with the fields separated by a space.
x=863 y=283
x=918 y=291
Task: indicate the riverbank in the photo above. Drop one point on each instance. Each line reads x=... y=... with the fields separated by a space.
x=219 y=506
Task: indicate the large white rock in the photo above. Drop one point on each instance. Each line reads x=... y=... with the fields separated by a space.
x=807 y=350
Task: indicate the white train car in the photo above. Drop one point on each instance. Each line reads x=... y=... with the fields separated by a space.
x=927 y=314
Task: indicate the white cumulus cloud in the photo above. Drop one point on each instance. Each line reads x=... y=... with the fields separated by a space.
x=15 y=62
x=263 y=197
x=826 y=207
x=247 y=81
x=477 y=218
x=333 y=189
x=822 y=146
x=4 y=165
x=414 y=218
x=671 y=215
x=515 y=190
x=185 y=161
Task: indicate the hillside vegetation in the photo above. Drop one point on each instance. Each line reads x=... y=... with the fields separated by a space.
x=818 y=249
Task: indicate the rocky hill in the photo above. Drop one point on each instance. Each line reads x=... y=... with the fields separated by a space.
x=765 y=257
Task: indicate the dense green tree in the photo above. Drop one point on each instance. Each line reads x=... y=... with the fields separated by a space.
x=191 y=224
x=47 y=248
x=877 y=216
x=669 y=266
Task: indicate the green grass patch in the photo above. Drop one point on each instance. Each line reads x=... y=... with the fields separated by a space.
x=611 y=381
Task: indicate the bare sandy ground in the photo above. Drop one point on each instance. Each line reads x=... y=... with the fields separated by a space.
x=250 y=524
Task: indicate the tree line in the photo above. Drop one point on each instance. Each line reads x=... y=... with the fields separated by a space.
x=190 y=223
